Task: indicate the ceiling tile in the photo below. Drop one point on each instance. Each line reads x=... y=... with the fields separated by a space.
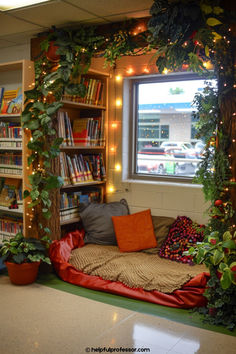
x=105 y=8
x=55 y=13
x=10 y=25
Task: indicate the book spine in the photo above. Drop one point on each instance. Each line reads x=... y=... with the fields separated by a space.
x=71 y=170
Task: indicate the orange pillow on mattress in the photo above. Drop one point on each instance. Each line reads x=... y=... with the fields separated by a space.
x=134 y=232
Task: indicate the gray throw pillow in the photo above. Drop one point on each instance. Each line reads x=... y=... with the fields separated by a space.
x=97 y=221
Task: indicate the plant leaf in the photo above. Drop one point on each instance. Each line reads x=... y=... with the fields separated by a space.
x=211 y=21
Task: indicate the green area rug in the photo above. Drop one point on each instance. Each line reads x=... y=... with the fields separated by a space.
x=187 y=317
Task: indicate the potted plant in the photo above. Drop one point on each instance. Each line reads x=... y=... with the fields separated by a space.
x=23 y=256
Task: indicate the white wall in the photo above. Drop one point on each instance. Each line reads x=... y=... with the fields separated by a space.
x=163 y=198
x=15 y=53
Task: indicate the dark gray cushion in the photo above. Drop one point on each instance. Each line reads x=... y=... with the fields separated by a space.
x=97 y=221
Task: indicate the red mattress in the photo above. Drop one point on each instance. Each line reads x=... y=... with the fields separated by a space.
x=189 y=296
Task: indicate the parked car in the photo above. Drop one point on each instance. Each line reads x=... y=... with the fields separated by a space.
x=155 y=160
x=179 y=149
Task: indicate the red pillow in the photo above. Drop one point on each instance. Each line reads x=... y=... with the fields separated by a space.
x=134 y=232
x=183 y=234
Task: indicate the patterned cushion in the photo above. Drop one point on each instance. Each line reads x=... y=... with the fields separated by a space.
x=183 y=234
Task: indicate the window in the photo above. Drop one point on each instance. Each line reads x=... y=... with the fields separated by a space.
x=163 y=141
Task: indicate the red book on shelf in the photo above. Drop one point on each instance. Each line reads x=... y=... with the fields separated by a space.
x=80 y=132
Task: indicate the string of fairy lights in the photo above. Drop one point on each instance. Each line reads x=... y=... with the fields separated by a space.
x=144 y=67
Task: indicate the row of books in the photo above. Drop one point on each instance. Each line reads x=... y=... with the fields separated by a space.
x=74 y=199
x=94 y=92
x=10 y=101
x=88 y=132
x=70 y=202
x=11 y=158
x=10 y=225
x=82 y=132
x=69 y=214
x=10 y=144
x=10 y=170
x=82 y=168
x=10 y=130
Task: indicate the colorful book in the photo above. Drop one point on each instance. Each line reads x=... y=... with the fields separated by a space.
x=80 y=131
x=11 y=101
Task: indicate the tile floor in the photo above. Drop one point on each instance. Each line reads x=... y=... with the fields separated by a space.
x=38 y=319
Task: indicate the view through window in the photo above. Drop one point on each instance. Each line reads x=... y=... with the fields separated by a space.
x=165 y=129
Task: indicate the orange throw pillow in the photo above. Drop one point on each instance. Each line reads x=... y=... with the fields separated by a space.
x=134 y=232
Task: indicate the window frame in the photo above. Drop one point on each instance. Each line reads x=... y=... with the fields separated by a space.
x=130 y=93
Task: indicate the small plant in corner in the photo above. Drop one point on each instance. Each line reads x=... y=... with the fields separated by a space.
x=23 y=256
x=19 y=249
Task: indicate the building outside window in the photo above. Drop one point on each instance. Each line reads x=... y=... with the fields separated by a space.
x=164 y=142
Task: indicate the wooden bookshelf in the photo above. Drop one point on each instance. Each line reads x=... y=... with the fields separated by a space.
x=14 y=75
x=75 y=111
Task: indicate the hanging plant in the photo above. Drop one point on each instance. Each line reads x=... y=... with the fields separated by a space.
x=185 y=32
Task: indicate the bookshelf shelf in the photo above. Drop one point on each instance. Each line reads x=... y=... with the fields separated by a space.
x=18 y=77
x=15 y=148
x=11 y=176
x=12 y=211
x=79 y=147
x=79 y=105
x=70 y=221
x=9 y=115
x=83 y=184
x=10 y=139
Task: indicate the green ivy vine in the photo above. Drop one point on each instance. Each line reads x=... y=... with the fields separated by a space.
x=188 y=33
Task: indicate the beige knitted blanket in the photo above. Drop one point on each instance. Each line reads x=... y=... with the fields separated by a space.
x=136 y=269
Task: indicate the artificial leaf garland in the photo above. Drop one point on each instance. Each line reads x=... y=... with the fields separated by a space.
x=57 y=73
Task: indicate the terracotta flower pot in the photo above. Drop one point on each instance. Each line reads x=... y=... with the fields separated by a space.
x=22 y=274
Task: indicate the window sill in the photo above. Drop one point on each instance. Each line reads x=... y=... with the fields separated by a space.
x=164 y=183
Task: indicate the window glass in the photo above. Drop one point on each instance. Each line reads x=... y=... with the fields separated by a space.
x=165 y=142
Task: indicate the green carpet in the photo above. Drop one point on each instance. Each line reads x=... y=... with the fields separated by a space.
x=187 y=317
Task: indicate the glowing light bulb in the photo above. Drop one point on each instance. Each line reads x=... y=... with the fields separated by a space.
x=118 y=102
x=208 y=65
x=112 y=149
x=118 y=167
x=165 y=71
x=114 y=125
x=118 y=77
x=146 y=70
x=111 y=189
x=130 y=71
